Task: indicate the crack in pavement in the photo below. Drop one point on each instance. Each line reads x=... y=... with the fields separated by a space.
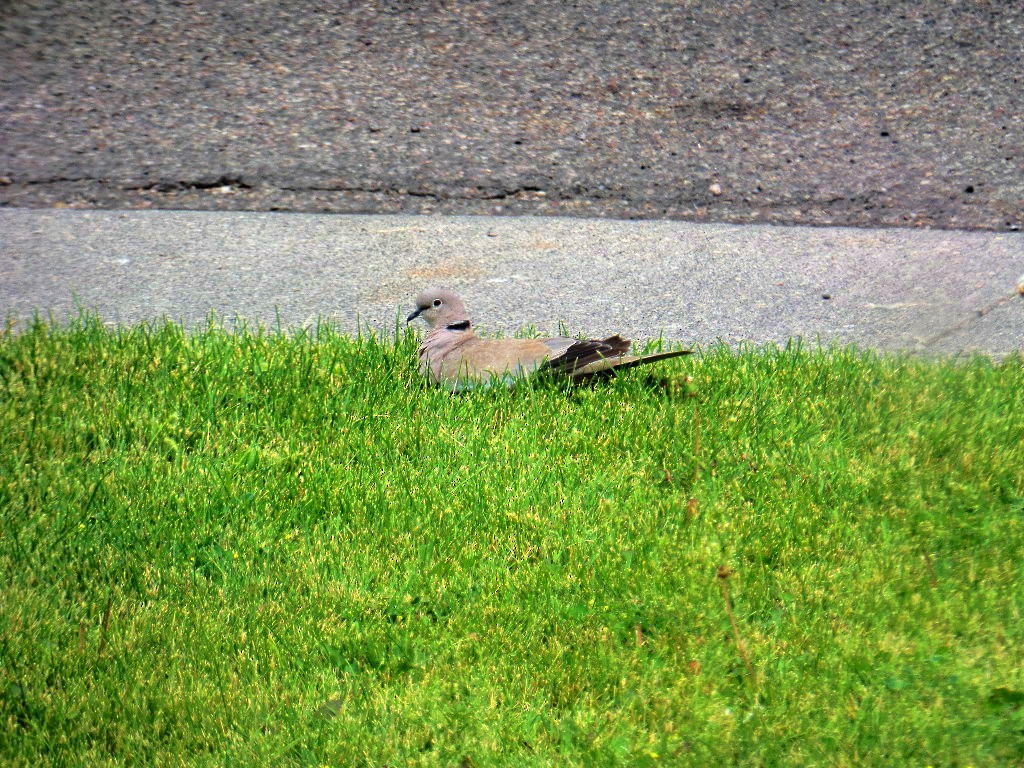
x=162 y=185
x=974 y=317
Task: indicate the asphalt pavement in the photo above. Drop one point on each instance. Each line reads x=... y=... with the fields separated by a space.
x=859 y=113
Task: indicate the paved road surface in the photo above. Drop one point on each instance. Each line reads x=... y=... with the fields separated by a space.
x=863 y=113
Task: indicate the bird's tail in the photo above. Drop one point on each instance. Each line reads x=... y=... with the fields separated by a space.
x=611 y=364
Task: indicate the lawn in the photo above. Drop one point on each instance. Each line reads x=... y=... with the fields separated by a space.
x=265 y=548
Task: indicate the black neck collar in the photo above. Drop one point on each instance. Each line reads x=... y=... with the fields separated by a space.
x=461 y=326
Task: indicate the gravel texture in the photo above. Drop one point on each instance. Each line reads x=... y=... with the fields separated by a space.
x=856 y=113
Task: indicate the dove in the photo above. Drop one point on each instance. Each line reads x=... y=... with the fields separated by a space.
x=453 y=356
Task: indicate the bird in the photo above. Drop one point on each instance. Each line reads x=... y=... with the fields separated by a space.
x=453 y=356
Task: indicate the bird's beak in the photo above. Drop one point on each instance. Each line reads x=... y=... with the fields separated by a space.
x=413 y=316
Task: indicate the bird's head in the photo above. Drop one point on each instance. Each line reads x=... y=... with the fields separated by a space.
x=440 y=308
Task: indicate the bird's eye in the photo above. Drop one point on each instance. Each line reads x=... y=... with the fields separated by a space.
x=437 y=302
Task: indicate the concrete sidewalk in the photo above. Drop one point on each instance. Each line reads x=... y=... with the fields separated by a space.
x=928 y=291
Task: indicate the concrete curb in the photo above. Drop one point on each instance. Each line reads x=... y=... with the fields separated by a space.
x=926 y=291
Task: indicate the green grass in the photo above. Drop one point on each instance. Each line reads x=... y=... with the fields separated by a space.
x=271 y=549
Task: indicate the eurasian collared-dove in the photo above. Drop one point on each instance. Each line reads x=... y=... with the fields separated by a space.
x=453 y=356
